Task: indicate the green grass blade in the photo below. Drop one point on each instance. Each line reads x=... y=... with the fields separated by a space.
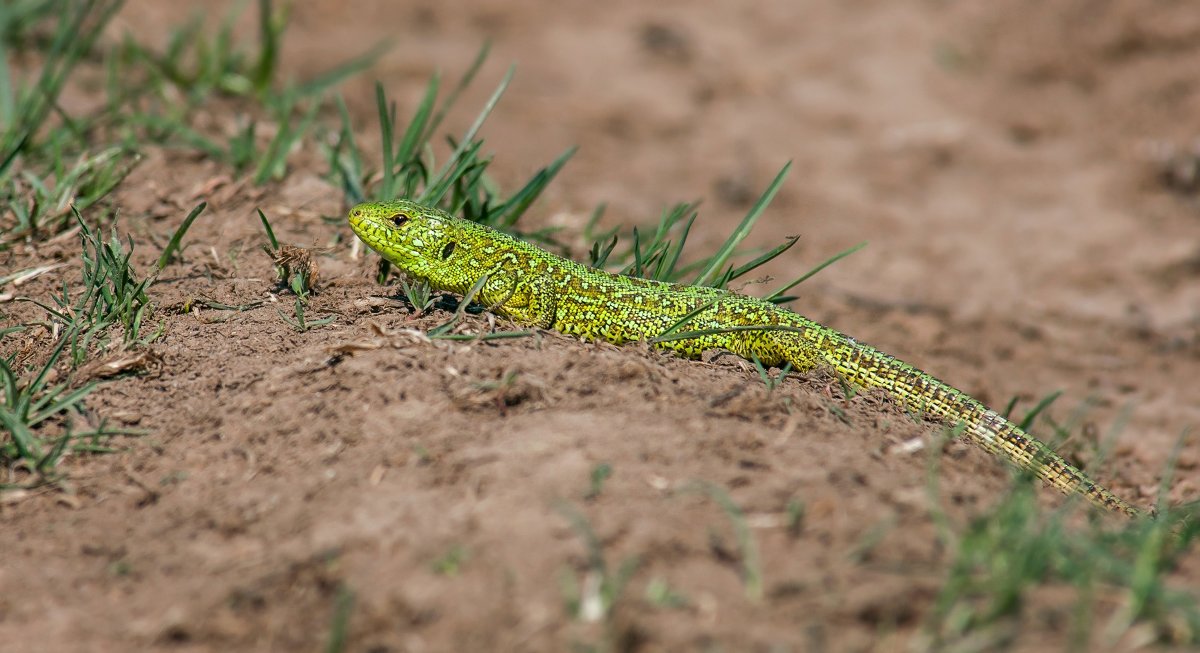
x=13 y=152
x=687 y=335
x=635 y=268
x=764 y=258
x=718 y=261
x=752 y=575
x=463 y=83
x=177 y=237
x=9 y=377
x=484 y=337
x=665 y=336
x=48 y=461
x=387 y=121
x=414 y=135
x=270 y=232
x=348 y=168
x=666 y=269
x=1027 y=422
x=40 y=380
x=273 y=164
x=23 y=439
x=600 y=253
x=443 y=329
x=270 y=29
x=318 y=85
x=516 y=205
x=775 y=296
x=339 y=628
x=8 y=92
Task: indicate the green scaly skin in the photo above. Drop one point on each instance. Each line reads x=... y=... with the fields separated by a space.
x=533 y=287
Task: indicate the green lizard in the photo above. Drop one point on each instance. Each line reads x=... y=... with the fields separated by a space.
x=533 y=287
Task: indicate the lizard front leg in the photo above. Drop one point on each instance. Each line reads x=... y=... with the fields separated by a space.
x=525 y=300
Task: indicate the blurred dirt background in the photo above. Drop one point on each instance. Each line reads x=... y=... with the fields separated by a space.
x=1026 y=174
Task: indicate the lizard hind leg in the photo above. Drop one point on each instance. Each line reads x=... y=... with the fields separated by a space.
x=790 y=347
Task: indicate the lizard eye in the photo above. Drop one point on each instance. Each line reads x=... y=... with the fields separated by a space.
x=399 y=219
x=447 y=250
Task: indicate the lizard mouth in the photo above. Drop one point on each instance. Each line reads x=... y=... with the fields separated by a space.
x=357 y=215
x=364 y=226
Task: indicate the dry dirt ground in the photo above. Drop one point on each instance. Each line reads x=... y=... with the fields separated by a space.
x=1004 y=160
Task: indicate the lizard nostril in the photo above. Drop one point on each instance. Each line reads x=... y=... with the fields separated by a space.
x=448 y=250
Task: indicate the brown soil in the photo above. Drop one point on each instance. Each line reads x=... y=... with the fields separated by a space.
x=1011 y=168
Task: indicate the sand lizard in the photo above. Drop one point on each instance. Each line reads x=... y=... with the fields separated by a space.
x=533 y=287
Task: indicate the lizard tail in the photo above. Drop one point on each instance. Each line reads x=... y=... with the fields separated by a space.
x=867 y=367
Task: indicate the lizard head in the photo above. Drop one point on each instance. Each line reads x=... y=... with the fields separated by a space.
x=420 y=241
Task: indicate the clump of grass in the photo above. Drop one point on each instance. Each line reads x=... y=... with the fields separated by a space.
x=52 y=172
x=151 y=98
x=301 y=283
x=600 y=475
x=112 y=293
x=751 y=564
x=42 y=207
x=771 y=382
x=660 y=594
x=25 y=109
x=299 y=321
x=451 y=562
x=28 y=403
x=1007 y=553
x=594 y=598
x=409 y=167
x=658 y=256
x=37 y=182
x=419 y=295
x=198 y=67
x=295 y=268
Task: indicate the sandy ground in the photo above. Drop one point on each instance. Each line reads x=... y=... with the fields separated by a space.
x=1005 y=164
